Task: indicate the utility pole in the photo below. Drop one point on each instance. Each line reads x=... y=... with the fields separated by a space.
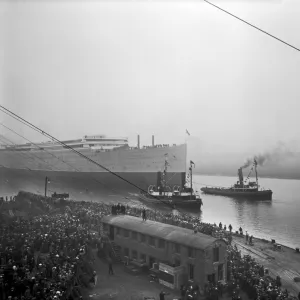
x=47 y=180
x=191 y=176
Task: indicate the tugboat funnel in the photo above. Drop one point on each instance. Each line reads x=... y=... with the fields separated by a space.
x=241 y=177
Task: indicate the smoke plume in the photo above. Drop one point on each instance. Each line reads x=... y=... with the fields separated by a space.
x=277 y=154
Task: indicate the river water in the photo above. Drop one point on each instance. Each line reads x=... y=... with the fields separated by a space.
x=278 y=219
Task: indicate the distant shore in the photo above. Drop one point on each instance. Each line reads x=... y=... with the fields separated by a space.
x=234 y=175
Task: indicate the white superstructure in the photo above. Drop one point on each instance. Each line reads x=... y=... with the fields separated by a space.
x=95 y=142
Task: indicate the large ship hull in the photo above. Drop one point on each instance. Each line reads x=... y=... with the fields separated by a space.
x=86 y=182
x=138 y=168
x=259 y=195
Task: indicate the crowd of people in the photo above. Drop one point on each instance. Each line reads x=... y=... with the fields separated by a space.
x=182 y=220
x=49 y=256
x=46 y=257
x=92 y=212
x=247 y=275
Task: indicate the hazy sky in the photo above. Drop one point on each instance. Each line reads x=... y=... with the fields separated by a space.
x=127 y=68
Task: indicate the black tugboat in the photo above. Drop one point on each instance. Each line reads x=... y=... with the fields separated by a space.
x=184 y=197
x=242 y=189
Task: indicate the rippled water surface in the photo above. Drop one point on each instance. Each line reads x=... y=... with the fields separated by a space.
x=278 y=219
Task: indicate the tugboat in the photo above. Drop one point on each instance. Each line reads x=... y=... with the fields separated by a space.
x=184 y=197
x=242 y=189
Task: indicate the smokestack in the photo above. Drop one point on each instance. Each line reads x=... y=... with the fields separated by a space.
x=241 y=177
x=152 y=140
x=138 y=141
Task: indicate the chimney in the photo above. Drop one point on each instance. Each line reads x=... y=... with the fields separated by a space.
x=241 y=177
x=138 y=141
x=152 y=140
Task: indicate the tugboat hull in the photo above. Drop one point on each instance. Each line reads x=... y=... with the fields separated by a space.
x=173 y=201
x=243 y=188
x=259 y=195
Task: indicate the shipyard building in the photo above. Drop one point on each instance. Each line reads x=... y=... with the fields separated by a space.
x=175 y=254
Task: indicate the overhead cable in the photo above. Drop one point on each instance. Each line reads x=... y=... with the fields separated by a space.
x=25 y=122
x=263 y=31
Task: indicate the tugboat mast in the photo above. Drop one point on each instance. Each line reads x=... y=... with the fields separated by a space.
x=165 y=174
x=191 y=178
x=255 y=166
x=250 y=189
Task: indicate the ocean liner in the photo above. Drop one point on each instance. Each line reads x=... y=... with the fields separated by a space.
x=243 y=188
x=29 y=164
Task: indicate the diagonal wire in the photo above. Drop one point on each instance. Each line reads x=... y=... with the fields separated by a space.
x=22 y=120
x=263 y=31
x=37 y=146
x=24 y=154
x=67 y=146
x=76 y=170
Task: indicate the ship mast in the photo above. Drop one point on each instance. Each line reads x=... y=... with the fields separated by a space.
x=191 y=176
x=255 y=166
x=165 y=173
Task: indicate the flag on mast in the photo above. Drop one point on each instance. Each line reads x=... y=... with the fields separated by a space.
x=187 y=132
x=192 y=163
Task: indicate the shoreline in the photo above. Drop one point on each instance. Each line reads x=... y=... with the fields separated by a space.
x=284 y=262
x=261 y=239
x=261 y=176
x=264 y=240
x=137 y=204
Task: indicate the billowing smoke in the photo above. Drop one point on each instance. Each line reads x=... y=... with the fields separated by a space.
x=247 y=163
x=279 y=153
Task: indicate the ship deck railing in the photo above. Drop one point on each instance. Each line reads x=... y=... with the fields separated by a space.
x=238 y=189
x=167 y=194
x=229 y=188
